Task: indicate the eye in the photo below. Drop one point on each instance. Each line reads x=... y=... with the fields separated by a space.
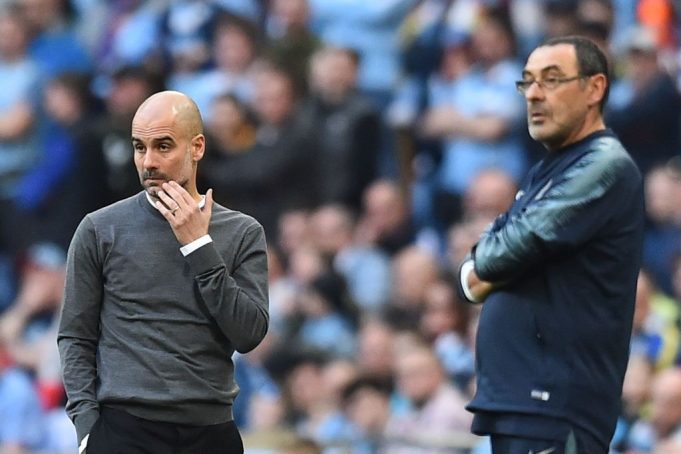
x=164 y=147
x=523 y=85
x=552 y=81
x=138 y=147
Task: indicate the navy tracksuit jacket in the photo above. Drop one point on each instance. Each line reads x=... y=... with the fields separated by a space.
x=553 y=341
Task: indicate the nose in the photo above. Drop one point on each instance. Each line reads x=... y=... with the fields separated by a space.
x=534 y=91
x=150 y=160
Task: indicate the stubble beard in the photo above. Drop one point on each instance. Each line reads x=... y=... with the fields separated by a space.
x=153 y=189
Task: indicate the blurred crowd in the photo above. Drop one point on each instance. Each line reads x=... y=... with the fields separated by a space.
x=374 y=140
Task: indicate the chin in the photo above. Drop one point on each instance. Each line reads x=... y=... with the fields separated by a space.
x=539 y=133
x=152 y=190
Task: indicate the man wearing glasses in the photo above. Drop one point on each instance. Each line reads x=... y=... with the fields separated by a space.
x=557 y=272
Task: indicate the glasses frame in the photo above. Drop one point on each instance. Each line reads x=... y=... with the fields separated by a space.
x=549 y=84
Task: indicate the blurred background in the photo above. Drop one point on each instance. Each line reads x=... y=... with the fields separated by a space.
x=374 y=140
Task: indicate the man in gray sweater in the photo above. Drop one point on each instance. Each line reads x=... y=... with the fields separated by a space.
x=161 y=289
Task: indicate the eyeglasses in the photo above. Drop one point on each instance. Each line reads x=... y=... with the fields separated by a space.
x=550 y=83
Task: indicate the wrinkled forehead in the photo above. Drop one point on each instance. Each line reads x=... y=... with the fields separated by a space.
x=147 y=127
x=559 y=58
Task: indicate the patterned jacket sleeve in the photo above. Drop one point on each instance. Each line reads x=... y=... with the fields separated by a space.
x=568 y=214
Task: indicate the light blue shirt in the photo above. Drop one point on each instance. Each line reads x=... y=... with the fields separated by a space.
x=368 y=274
x=330 y=333
x=203 y=87
x=481 y=93
x=137 y=36
x=369 y=27
x=20 y=411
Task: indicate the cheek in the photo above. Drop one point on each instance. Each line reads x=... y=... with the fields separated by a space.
x=182 y=168
x=562 y=112
x=139 y=161
x=569 y=109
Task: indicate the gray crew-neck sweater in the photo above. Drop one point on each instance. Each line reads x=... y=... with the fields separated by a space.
x=149 y=331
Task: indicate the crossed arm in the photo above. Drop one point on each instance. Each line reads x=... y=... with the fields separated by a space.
x=569 y=214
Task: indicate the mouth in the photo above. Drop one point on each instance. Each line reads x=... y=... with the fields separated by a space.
x=154 y=181
x=536 y=116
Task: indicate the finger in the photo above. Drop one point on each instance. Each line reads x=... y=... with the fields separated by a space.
x=168 y=201
x=176 y=195
x=189 y=200
x=165 y=212
x=208 y=207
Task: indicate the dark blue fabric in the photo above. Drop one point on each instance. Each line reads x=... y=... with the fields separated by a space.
x=575 y=442
x=554 y=339
x=56 y=161
x=659 y=250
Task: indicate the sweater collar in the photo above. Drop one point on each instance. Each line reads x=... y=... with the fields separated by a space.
x=202 y=202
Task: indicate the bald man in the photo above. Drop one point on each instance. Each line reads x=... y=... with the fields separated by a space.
x=161 y=289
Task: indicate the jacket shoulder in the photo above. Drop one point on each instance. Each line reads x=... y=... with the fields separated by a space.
x=605 y=163
x=608 y=155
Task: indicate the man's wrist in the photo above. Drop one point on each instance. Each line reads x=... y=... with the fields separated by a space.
x=467 y=268
x=194 y=245
x=82 y=448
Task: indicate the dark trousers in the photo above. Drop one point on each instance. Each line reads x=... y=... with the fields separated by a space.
x=118 y=432
x=577 y=442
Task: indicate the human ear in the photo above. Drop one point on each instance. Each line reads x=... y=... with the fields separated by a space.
x=597 y=86
x=198 y=147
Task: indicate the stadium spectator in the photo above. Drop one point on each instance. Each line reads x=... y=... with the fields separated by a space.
x=663 y=232
x=282 y=157
x=376 y=349
x=664 y=422
x=366 y=403
x=54 y=44
x=291 y=43
x=414 y=271
x=635 y=397
x=479 y=122
x=445 y=325
x=489 y=194
x=371 y=30
x=645 y=104
x=327 y=317
x=22 y=427
x=18 y=135
x=348 y=125
x=385 y=220
x=365 y=268
x=654 y=334
x=232 y=130
x=131 y=36
x=64 y=184
x=234 y=53
x=434 y=407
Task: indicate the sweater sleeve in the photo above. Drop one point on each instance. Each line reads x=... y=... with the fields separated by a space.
x=79 y=327
x=568 y=214
x=238 y=301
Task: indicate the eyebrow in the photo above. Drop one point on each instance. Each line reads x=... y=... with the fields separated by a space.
x=156 y=139
x=543 y=70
